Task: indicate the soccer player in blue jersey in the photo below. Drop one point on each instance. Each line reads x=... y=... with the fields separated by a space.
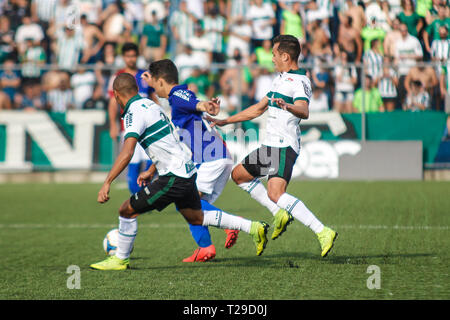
x=140 y=159
x=209 y=151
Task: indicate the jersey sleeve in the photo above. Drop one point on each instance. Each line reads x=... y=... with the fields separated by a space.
x=302 y=90
x=134 y=125
x=185 y=104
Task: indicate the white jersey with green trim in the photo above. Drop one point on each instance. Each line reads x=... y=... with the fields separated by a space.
x=283 y=128
x=147 y=122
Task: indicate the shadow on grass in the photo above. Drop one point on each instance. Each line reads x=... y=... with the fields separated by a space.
x=287 y=260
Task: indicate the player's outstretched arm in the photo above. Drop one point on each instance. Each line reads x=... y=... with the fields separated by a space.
x=211 y=107
x=300 y=108
x=250 y=113
x=122 y=161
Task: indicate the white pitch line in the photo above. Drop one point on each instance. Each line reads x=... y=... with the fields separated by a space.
x=395 y=227
x=183 y=225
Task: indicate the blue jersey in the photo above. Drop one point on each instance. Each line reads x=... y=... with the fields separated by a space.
x=144 y=89
x=205 y=143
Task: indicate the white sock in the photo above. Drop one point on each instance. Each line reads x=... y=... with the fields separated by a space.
x=224 y=220
x=300 y=212
x=258 y=192
x=127 y=234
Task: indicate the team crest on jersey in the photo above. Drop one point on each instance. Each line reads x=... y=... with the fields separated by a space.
x=289 y=79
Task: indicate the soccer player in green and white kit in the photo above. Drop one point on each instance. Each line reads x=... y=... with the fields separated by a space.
x=146 y=123
x=287 y=103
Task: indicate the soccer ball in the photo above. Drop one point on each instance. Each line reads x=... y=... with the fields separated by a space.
x=110 y=242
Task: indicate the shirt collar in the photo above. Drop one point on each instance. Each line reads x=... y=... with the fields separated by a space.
x=133 y=99
x=300 y=71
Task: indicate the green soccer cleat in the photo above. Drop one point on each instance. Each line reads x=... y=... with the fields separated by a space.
x=280 y=221
x=258 y=231
x=326 y=238
x=112 y=263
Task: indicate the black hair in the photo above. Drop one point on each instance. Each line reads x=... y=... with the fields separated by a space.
x=130 y=46
x=164 y=69
x=125 y=83
x=288 y=44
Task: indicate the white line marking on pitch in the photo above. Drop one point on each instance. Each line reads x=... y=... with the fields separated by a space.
x=182 y=225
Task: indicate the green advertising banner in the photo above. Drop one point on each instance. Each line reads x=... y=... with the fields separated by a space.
x=80 y=139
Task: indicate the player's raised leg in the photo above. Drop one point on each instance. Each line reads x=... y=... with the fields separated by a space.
x=257 y=191
x=223 y=220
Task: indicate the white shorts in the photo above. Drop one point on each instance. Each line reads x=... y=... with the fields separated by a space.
x=139 y=154
x=212 y=176
x=342 y=96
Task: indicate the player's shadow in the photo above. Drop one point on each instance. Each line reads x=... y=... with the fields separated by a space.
x=288 y=260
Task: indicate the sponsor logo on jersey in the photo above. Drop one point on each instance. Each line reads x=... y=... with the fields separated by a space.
x=129 y=120
x=183 y=94
x=307 y=89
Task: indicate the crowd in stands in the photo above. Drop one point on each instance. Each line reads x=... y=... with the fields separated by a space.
x=388 y=54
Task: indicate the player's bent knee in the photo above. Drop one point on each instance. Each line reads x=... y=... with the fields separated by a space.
x=240 y=175
x=126 y=211
x=274 y=195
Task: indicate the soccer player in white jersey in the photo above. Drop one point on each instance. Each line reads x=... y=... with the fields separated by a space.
x=287 y=103
x=146 y=123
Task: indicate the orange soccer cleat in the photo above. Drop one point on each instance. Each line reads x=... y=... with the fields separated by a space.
x=232 y=236
x=202 y=254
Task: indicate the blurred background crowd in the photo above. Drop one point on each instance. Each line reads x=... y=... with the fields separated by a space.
x=388 y=54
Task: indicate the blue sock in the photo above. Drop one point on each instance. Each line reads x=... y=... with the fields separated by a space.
x=206 y=206
x=132 y=175
x=201 y=235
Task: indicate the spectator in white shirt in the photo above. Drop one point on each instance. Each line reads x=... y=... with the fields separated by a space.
x=201 y=46
x=263 y=19
x=182 y=23
x=440 y=48
x=28 y=30
x=82 y=83
x=345 y=79
x=240 y=34
x=61 y=98
x=69 y=46
x=187 y=61
x=319 y=101
x=418 y=99
x=407 y=52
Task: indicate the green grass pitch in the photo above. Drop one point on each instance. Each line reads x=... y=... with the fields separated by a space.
x=400 y=227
